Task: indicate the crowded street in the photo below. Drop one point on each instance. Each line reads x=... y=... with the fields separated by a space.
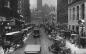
x=42 y=26
x=43 y=41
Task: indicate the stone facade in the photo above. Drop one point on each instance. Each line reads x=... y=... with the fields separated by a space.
x=76 y=12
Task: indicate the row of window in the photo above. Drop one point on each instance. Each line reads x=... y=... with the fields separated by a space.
x=74 y=12
x=70 y=1
x=74 y=28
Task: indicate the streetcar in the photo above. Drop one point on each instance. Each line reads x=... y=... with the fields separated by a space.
x=32 y=49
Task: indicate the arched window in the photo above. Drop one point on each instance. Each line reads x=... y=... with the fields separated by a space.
x=77 y=29
x=83 y=9
x=77 y=12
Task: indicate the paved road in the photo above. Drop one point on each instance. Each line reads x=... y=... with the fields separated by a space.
x=43 y=40
x=45 y=43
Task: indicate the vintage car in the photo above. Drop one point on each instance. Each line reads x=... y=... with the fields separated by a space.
x=74 y=38
x=82 y=41
x=15 y=38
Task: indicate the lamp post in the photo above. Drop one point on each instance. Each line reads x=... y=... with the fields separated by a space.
x=81 y=23
x=82 y=30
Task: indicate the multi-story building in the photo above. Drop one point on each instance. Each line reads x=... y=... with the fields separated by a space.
x=20 y=6
x=8 y=8
x=24 y=9
x=39 y=4
x=39 y=12
x=62 y=12
x=76 y=12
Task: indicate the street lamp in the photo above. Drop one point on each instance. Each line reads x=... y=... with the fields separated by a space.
x=81 y=23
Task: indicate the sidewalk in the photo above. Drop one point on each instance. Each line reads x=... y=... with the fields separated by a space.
x=74 y=48
x=1 y=50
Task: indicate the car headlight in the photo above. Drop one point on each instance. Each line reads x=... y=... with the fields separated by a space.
x=18 y=45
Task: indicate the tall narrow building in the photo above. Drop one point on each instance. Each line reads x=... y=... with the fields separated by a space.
x=24 y=10
x=39 y=4
x=39 y=11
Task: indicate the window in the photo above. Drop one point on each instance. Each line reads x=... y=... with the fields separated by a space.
x=69 y=27
x=77 y=12
x=69 y=1
x=73 y=27
x=83 y=11
x=70 y=13
x=7 y=4
x=77 y=29
x=73 y=13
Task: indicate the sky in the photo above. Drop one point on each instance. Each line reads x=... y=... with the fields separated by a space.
x=33 y=3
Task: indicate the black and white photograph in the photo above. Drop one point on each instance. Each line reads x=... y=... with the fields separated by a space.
x=42 y=26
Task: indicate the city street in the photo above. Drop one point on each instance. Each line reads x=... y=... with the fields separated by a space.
x=43 y=26
x=45 y=43
x=43 y=40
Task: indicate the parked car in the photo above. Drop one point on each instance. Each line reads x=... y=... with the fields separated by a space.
x=55 y=48
x=83 y=42
x=74 y=38
x=59 y=48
